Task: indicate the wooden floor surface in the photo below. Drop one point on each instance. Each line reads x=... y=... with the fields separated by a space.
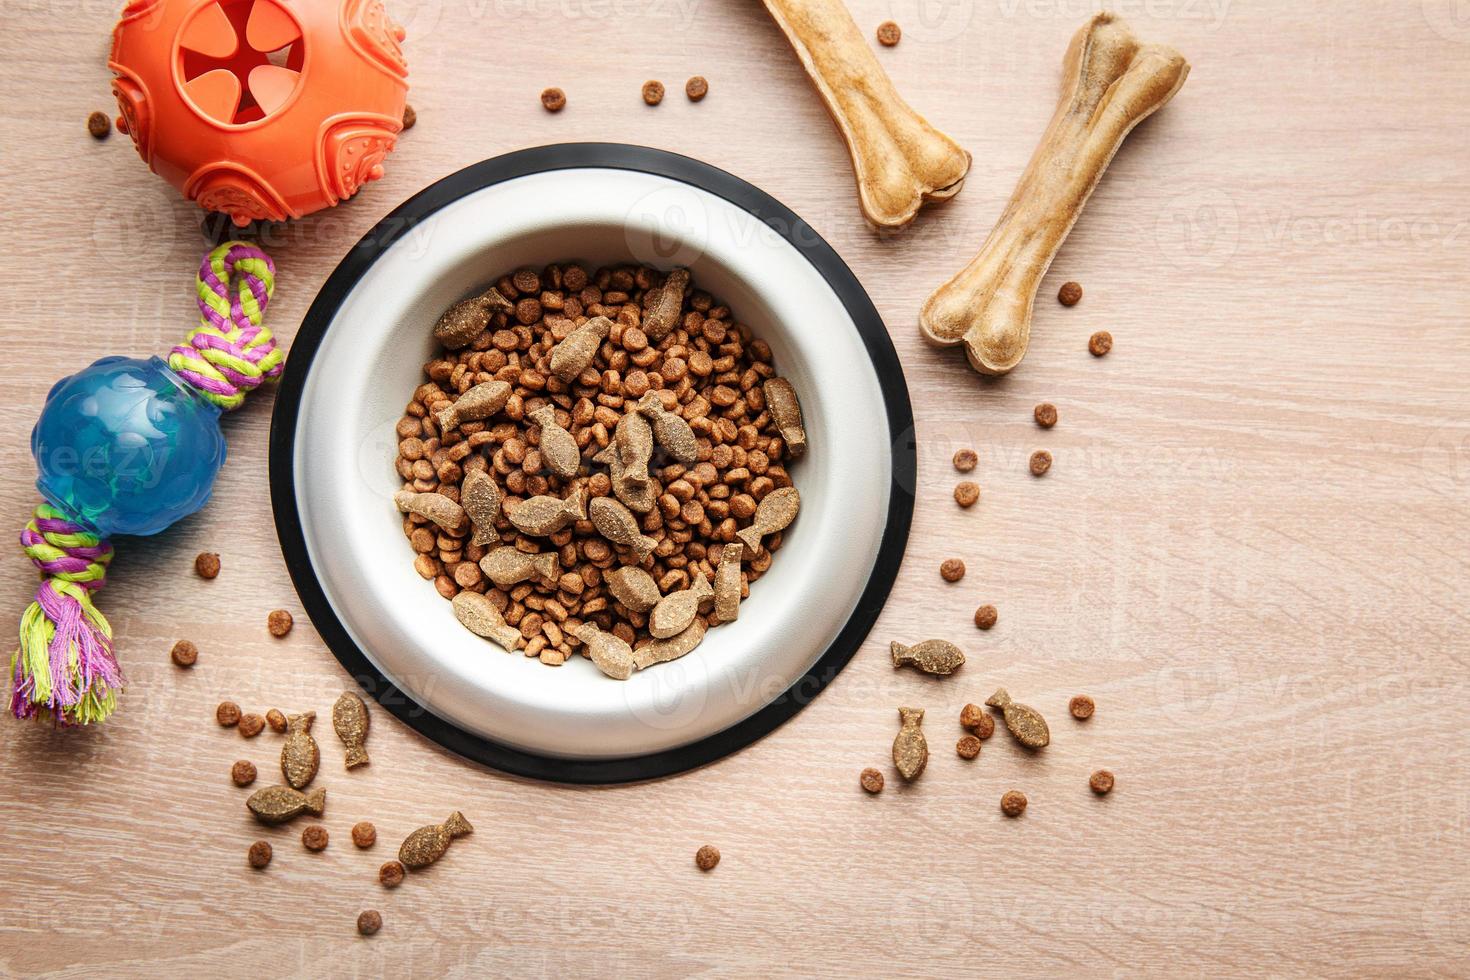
x=1252 y=549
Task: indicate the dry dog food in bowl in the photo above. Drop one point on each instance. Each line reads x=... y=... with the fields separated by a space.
x=597 y=462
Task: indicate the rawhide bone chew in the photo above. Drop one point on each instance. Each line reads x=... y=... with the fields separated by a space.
x=1111 y=83
x=899 y=159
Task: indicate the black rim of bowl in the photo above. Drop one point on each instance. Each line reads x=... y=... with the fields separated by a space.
x=613 y=156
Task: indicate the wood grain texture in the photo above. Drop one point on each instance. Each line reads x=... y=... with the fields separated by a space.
x=1251 y=550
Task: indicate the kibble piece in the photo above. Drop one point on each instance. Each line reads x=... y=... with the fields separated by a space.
x=390 y=875
x=785 y=410
x=427 y=844
x=553 y=99
x=99 y=125
x=707 y=857
x=1081 y=707
x=871 y=780
x=364 y=834
x=1045 y=415
x=984 y=728
x=251 y=725
x=968 y=747
x=677 y=610
x=889 y=34
x=350 y=721
x=937 y=657
x=965 y=460
x=986 y=616
x=1100 y=343
x=409 y=118
x=206 y=565
x=184 y=653
x=1040 y=462
x=633 y=587
x=966 y=493
x=242 y=773
x=278 y=804
x=696 y=88
x=1013 y=803
x=1069 y=294
x=435 y=506
x=544 y=515
x=1101 y=782
x=369 y=922
x=910 y=748
x=467 y=319
x=259 y=854
x=314 y=838
x=970 y=716
x=775 y=513
x=653 y=92
x=1023 y=721
x=610 y=654
x=227 y=714
x=952 y=569
x=276 y=719
x=279 y=622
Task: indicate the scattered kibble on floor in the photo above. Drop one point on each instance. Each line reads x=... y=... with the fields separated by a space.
x=1101 y=782
x=986 y=616
x=1013 y=803
x=99 y=125
x=1070 y=293
x=696 y=88
x=952 y=569
x=369 y=922
x=243 y=773
x=279 y=622
x=251 y=725
x=390 y=875
x=966 y=493
x=227 y=714
x=184 y=654
x=364 y=834
x=653 y=92
x=872 y=780
x=1081 y=707
x=1100 y=343
x=965 y=460
x=409 y=118
x=968 y=747
x=707 y=857
x=259 y=854
x=1040 y=462
x=889 y=34
x=1045 y=415
x=553 y=100
x=206 y=565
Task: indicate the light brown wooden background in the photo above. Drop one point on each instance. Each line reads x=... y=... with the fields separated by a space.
x=1251 y=550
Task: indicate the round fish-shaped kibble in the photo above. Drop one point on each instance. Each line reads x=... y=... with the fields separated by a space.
x=677 y=610
x=609 y=653
x=1023 y=721
x=775 y=513
x=785 y=411
x=434 y=506
x=575 y=354
x=910 y=748
x=479 y=615
x=616 y=522
x=480 y=497
x=300 y=756
x=727 y=582
x=558 y=446
x=544 y=515
x=467 y=319
x=931 y=656
x=350 y=722
x=662 y=651
x=427 y=844
x=509 y=566
x=633 y=587
x=669 y=429
x=480 y=402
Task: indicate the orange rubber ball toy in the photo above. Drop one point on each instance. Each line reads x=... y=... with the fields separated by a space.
x=262 y=109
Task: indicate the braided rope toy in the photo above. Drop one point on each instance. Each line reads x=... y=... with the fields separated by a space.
x=130 y=446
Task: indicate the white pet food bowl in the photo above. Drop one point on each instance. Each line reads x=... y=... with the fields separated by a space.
x=359 y=355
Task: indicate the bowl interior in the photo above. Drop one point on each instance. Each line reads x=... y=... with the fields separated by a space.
x=370 y=359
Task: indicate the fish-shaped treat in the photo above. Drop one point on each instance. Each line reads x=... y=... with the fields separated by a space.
x=785 y=411
x=669 y=429
x=662 y=651
x=910 y=748
x=543 y=515
x=931 y=656
x=435 y=506
x=467 y=319
x=480 y=402
x=1024 y=721
x=633 y=587
x=300 y=757
x=776 y=512
x=677 y=610
x=479 y=615
x=350 y=722
x=611 y=655
x=626 y=457
x=558 y=447
x=427 y=844
x=507 y=566
x=727 y=582
x=277 y=804
x=575 y=354
x=663 y=316
x=616 y=522
x=480 y=497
